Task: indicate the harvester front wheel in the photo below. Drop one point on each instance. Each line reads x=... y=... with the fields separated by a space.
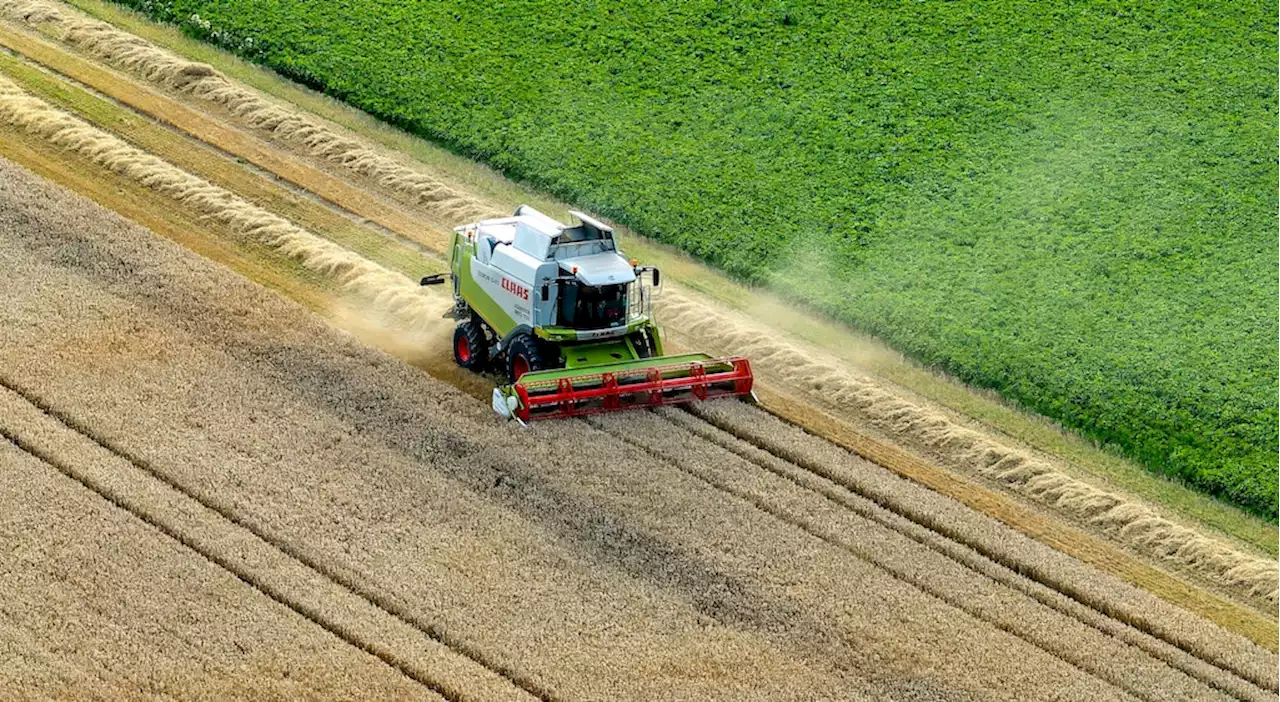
x=523 y=356
x=470 y=347
x=643 y=344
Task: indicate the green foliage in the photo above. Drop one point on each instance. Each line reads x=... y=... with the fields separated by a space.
x=1072 y=203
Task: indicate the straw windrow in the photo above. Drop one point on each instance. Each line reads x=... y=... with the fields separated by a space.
x=387 y=292
x=131 y=53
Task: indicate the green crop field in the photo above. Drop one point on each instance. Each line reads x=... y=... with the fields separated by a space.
x=1072 y=203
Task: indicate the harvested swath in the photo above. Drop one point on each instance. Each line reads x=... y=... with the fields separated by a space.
x=32 y=12
x=386 y=292
x=140 y=57
x=99 y=605
x=1134 y=525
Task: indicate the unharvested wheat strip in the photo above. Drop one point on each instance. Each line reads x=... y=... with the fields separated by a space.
x=138 y=56
x=1034 y=559
x=878 y=510
x=104 y=606
x=986 y=600
x=360 y=622
x=26 y=667
x=1136 y=526
x=390 y=293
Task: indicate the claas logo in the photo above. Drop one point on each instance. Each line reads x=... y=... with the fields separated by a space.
x=516 y=289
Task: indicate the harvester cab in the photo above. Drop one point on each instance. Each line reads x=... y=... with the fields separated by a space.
x=559 y=311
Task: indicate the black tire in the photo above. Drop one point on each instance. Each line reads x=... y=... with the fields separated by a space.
x=524 y=355
x=470 y=346
x=643 y=344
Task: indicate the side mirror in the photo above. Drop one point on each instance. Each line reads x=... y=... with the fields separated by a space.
x=546 y=292
x=436 y=279
x=656 y=279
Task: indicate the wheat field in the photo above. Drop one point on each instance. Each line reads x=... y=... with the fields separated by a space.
x=100 y=605
x=570 y=562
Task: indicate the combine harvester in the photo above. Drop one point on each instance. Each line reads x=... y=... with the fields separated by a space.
x=569 y=320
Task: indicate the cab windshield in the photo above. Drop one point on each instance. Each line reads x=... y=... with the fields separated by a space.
x=592 y=307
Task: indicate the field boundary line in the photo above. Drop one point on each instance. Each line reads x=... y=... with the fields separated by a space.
x=382 y=603
x=1056 y=534
x=975 y=557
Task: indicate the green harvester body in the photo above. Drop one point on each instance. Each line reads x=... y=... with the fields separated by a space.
x=568 y=320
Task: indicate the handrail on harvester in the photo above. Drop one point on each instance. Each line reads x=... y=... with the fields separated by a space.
x=654 y=386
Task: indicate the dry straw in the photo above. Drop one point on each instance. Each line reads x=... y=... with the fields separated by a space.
x=1135 y=525
x=386 y=292
x=131 y=53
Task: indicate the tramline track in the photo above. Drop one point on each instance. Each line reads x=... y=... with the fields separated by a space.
x=1208 y=669
x=136 y=505
x=1157 y=639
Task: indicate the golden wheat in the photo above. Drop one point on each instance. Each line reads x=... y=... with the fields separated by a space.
x=907 y=549
x=414 y=491
x=758 y=435
x=99 y=605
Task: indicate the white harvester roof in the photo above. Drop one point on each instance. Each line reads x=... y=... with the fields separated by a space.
x=599 y=269
x=532 y=234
